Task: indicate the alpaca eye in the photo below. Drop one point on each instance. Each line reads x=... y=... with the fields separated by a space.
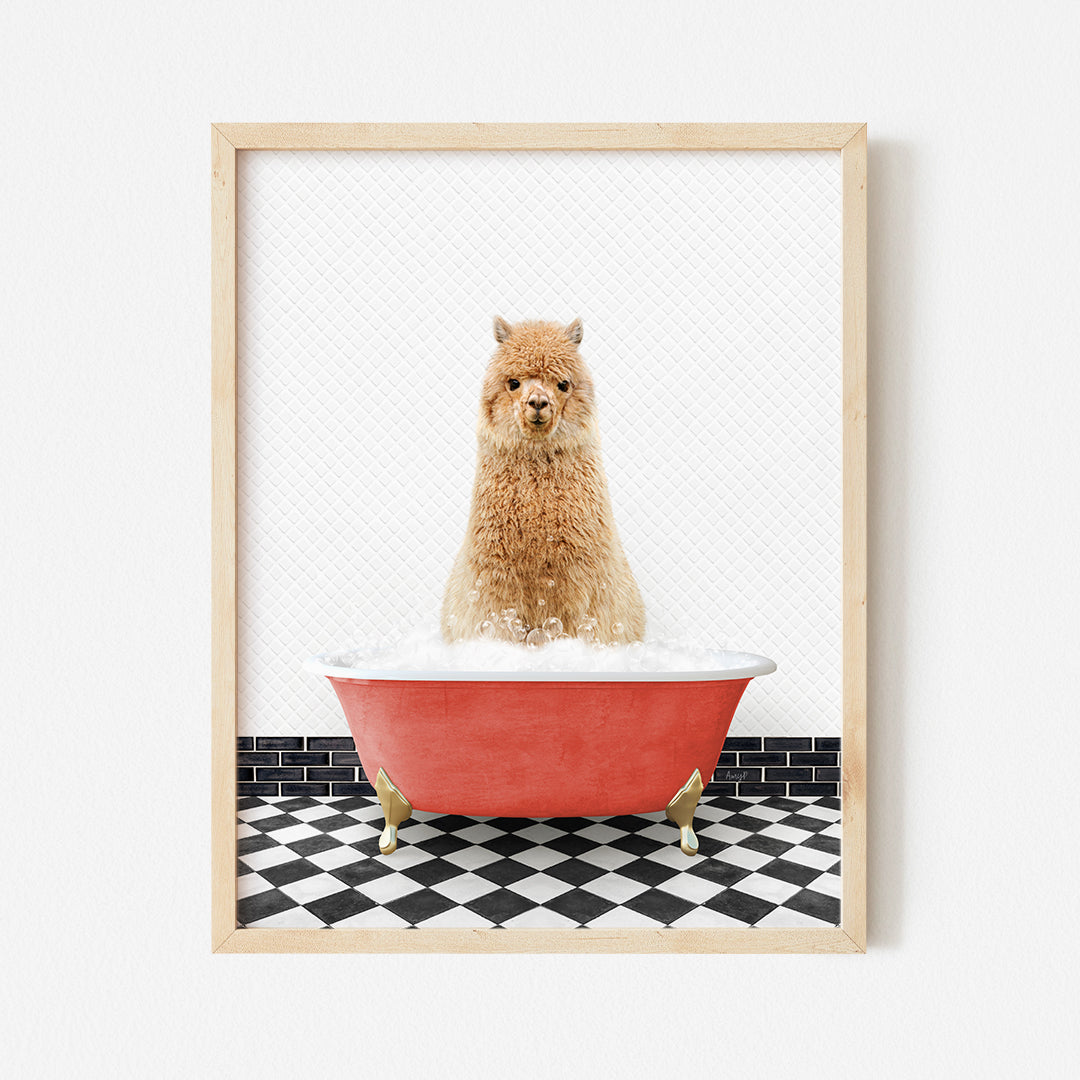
x=513 y=384
x=564 y=386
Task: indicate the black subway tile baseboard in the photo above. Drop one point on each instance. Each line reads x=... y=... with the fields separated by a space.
x=333 y=775
x=353 y=789
x=772 y=758
x=258 y=759
x=787 y=744
x=319 y=742
x=321 y=766
x=813 y=759
x=279 y=776
x=713 y=788
x=264 y=790
x=811 y=789
x=324 y=759
x=741 y=743
x=318 y=791
x=751 y=790
x=737 y=776
x=789 y=774
x=278 y=742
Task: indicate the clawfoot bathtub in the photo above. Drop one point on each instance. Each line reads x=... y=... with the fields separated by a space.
x=540 y=743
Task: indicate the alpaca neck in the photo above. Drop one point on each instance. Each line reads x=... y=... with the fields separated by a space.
x=541 y=504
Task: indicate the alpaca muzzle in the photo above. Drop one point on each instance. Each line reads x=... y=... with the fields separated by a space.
x=537 y=408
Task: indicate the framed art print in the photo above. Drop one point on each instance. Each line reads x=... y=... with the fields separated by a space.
x=539 y=537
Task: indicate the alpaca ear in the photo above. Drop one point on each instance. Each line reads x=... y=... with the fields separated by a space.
x=574 y=332
x=502 y=329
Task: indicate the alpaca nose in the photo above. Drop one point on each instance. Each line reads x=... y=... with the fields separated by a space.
x=538 y=401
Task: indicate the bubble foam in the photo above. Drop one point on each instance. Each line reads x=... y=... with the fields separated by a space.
x=423 y=650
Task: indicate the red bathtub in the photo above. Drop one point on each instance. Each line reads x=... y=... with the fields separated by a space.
x=540 y=744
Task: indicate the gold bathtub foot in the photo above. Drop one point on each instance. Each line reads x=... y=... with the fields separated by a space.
x=681 y=811
x=396 y=809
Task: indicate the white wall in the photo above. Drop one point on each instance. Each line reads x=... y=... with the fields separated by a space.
x=709 y=282
x=104 y=305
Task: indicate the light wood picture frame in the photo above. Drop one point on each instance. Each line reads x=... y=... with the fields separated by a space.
x=850 y=139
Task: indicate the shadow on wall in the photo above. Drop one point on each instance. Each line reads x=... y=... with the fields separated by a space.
x=894 y=254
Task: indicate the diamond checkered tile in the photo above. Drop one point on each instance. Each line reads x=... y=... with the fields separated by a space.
x=505 y=872
x=561 y=872
x=540 y=887
x=661 y=905
x=340 y=905
x=501 y=905
x=745 y=907
x=419 y=906
x=708 y=281
x=251 y=910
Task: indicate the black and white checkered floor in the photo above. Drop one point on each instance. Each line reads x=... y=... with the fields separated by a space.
x=307 y=862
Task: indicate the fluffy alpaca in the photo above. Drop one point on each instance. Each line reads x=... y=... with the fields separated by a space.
x=541 y=536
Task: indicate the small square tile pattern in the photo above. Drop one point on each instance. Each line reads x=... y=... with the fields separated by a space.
x=309 y=861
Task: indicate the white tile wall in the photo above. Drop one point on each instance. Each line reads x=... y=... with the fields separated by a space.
x=708 y=281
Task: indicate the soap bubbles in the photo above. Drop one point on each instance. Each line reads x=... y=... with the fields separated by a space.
x=553 y=627
x=495 y=648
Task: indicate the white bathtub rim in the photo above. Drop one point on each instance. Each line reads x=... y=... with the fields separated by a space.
x=742 y=666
